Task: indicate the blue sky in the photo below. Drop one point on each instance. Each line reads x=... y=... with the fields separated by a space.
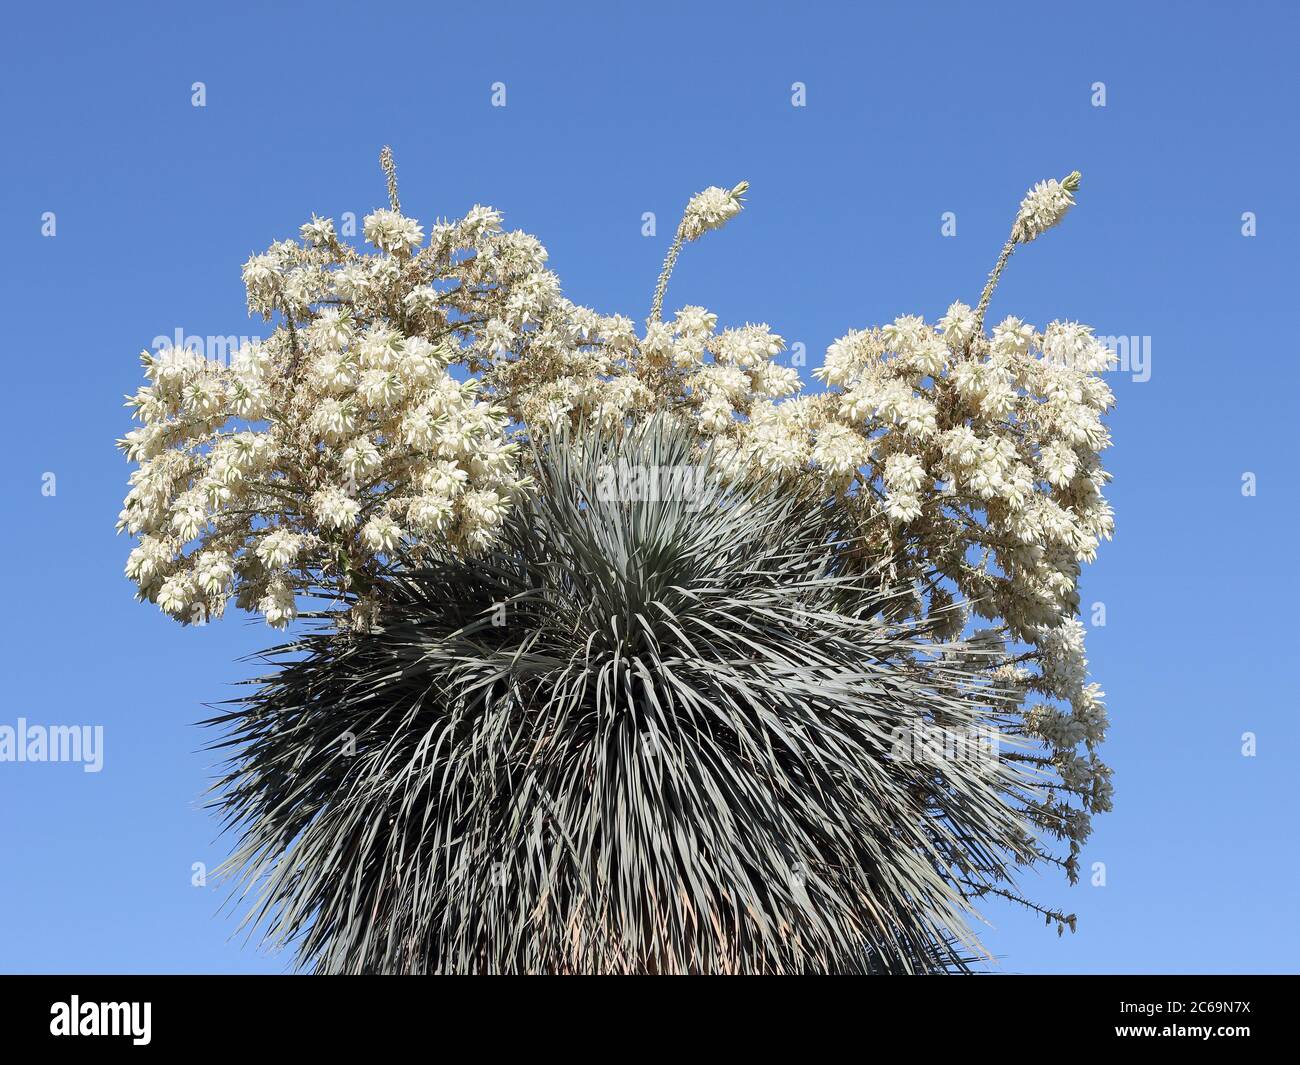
x=912 y=110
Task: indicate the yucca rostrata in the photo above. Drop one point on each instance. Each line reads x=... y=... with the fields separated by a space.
x=669 y=724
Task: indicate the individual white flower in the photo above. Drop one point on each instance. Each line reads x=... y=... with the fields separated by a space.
x=1061 y=730
x=715 y=413
x=319 y=231
x=928 y=358
x=252 y=361
x=484 y=508
x=845 y=359
x=916 y=416
x=333 y=373
x=443 y=478
x=380 y=388
x=773 y=381
x=171 y=368
x=278 y=604
x=906 y=334
x=429 y=515
x=658 y=341
x=381 y=534
x=961 y=453
x=360 y=459
x=203 y=397
x=248 y=398
x=904 y=471
x=478 y=222
x=148 y=405
x=177 y=595
x=1058 y=464
x=189 y=515
x=280 y=548
x=419 y=429
x=352 y=282
x=903 y=504
x=746 y=347
x=958 y=326
x=379 y=348
x=1069 y=344
x=392 y=231
x=214 y=572
x=728 y=381
x=147 y=561
x=1017 y=485
x=421 y=302
x=332 y=419
x=840 y=451
x=334 y=508
x=420 y=362
x=1012 y=337
x=695 y=322
x=1090 y=710
x=331 y=330
x=261 y=276
x=1062 y=656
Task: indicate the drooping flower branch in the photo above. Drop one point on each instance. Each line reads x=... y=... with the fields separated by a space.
x=711 y=209
x=1043 y=207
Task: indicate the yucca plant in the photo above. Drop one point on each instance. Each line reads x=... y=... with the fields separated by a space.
x=668 y=725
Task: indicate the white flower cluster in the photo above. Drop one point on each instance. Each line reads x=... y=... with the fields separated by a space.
x=350 y=432
x=982 y=454
x=374 y=420
x=712 y=209
x=589 y=368
x=1043 y=207
x=973 y=459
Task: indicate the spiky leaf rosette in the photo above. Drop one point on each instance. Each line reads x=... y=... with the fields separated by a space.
x=659 y=735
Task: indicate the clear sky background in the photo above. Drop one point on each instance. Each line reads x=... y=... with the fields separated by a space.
x=614 y=110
